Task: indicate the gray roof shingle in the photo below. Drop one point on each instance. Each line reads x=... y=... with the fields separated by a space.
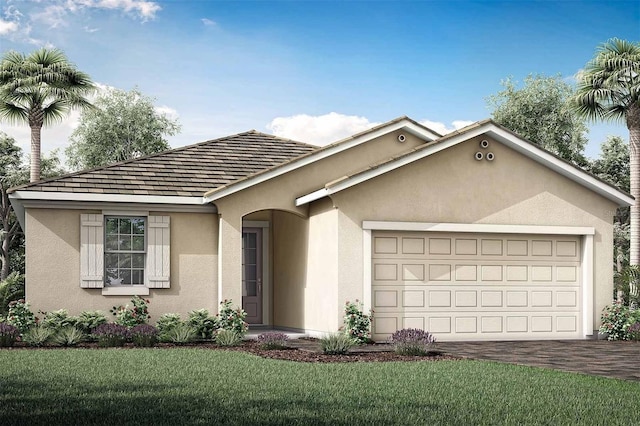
x=189 y=171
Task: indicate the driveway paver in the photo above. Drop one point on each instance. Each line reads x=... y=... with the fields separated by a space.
x=618 y=359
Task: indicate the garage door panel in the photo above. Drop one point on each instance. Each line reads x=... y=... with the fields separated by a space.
x=474 y=287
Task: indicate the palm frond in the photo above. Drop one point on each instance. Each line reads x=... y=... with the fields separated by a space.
x=13 y=113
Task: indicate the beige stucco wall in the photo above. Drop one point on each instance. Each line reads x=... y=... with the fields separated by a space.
x=289 y=269
x=280 y=194
x=53 y=265
x=452 y=186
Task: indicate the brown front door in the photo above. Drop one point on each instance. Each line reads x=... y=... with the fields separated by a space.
x=252 y=274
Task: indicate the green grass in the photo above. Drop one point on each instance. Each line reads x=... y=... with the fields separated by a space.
x=199 y=386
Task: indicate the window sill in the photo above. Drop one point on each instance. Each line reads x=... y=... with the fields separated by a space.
x=138 y=290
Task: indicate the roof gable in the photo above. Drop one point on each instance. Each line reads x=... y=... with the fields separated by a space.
x=404 y=123
x=496 y=132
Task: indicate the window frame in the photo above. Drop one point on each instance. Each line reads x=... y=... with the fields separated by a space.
x=144 y=252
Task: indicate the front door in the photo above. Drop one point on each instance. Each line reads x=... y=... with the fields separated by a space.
x=252 y=274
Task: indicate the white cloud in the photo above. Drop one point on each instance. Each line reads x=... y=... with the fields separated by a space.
x=209 y=22
x=169 y=112
x=7 y=27
x=90 y=30
x=320 y=129
x=144 y=9
x=442 y=128
x=52 y=16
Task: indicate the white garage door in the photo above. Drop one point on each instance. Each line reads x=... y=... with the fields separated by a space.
x=476 y=286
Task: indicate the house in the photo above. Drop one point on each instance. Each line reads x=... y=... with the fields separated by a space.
x=475 y=235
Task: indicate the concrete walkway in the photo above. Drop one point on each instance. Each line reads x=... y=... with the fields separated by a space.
x=619 y=360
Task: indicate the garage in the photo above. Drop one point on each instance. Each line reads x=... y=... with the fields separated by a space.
x=477 y=286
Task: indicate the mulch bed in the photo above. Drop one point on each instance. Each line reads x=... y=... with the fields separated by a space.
x=289 y=354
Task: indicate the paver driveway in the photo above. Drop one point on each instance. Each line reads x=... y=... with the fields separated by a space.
x=596 y=357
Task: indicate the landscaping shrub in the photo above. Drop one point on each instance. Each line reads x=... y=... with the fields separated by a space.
x=130 y=317
x=356 y=323
x=144 y=335
x=68 y=336
x=180 y=334
x=336 y=343
x=12 y=288
x=165 y=324
x=232 y=319
x=273 y=340
x=87 y=321
x=616 y=320
x=38 y=335
x=111 y=335
x=20 y=315
x=411 y=341
x=227 y=337
x=203 y=324
x=57 y=320
x=634 y=331
x=8 y=334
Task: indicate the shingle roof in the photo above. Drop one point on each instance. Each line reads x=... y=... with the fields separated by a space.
x=188 y=171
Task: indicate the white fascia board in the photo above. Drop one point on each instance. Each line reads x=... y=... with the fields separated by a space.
x=402 y=124
x=560 y=166
x=483 y=228
x=316 y=195
x=369 y=174
x=114 y=198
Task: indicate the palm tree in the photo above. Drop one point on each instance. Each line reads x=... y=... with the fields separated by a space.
x=609 y=90
x=40 y=89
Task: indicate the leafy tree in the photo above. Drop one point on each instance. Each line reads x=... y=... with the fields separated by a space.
x=123 y=125
x=609 y=90
x=13 y=173
x=613 y=166
x=540 y=112
x=40 y=89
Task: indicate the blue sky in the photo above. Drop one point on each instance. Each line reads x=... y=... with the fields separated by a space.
x=315 y=71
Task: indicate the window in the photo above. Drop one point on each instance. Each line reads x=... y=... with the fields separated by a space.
x=125 y=253
x=125 y=250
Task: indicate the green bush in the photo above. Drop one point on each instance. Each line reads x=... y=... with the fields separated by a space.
x=336 y=343
x=227 y=337
x=20 y=315
x=232 y=319
x=203 y=324
x=68 y=336
x=616 y=320
x=57 y=320
x=165 y=324
x=181 y=334
x=357 y=324
x=130 y=317
x=87 y=321
x=38 y=335
x=12 y=288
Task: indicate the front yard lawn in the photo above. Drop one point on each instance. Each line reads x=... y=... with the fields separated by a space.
x=200 y=386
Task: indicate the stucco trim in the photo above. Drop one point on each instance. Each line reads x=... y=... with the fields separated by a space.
x=477 y=228
x=587 y=285
x=405 y=124
x=492 y=130
x=586 y=259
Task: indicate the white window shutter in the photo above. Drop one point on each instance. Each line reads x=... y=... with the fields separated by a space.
x=91 y=251
x=158 y=252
